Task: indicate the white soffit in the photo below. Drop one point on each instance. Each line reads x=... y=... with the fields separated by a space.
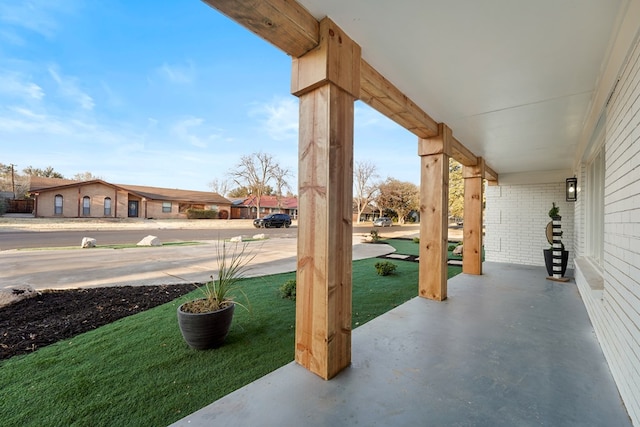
x=514 y=79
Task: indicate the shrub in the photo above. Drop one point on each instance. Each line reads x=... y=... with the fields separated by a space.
x=288 y=290
x=384 y=268
x=416 y=240
x=3 y=206
x=450 y=248
x=375 y=237
x=202 y=213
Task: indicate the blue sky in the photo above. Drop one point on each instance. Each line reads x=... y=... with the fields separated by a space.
x=161 y=93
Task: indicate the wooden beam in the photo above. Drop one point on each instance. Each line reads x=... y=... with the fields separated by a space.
x=283 y=23
x=472 y=229
x=335 y=60
x=381 y=95
x=434 y=203
x=326 y=88
x=323 y=302
x=439 y=144
x=462 y=154
x=490 y=175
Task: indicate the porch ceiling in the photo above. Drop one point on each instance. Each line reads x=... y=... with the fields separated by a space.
x=514 y=80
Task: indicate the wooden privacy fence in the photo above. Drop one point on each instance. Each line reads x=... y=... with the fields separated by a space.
x=20 y=206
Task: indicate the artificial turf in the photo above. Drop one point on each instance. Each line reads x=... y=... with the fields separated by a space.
x=138 y=371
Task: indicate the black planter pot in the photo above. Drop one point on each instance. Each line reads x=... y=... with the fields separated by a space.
x=548 y=261
x=203 y=331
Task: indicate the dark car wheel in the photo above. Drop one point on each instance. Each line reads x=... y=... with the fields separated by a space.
x=287 y=225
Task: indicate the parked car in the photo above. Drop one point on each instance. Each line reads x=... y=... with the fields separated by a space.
x=383 y=221
x=273 y=220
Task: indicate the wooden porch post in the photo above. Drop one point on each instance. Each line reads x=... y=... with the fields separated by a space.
x=472 y=229
x=434 y=203
x=327 y=81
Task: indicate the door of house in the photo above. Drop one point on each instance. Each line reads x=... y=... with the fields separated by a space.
x=133 y=209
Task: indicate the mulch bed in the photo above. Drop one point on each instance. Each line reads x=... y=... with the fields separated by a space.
x=55 y=315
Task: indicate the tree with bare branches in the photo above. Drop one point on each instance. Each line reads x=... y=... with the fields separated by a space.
x=220 y=186
x=85 y=176
x=280 y=176
x=255 y=171
x=365 y=188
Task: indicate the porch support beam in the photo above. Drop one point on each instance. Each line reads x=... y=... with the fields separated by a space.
x=490 y=175
x=284 y=23
x=381 y=95
x=462 y=154
x=472 y=228
x=327 y=82
x=434 y=194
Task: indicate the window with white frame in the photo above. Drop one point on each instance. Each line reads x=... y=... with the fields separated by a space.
x=595 y=208
x=166 y=207
x=58 y=204
x=107 y=206
x=86 y=206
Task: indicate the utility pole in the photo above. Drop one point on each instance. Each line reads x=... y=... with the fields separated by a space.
x=13 y=181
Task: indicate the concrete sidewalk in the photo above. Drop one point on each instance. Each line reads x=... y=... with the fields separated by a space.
x=80 y=268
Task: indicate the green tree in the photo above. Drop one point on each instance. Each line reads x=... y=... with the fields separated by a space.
x=5 y=177
x=399 y=196
x=48 y=172
x=456 y=189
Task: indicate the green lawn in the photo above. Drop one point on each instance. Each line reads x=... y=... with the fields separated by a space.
x=139 y=372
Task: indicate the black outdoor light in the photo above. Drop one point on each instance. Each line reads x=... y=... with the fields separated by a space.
x=572 y=189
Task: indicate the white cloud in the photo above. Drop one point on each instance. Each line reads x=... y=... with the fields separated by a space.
x=39 y=16
x=279 y=118
x=179 y=74
x=193 y=131
x=10 y=37
x=15 y=84
x=18 y=120
x=69 y=89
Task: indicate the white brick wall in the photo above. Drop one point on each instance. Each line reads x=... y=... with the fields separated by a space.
x=516 y=217
x=580 y=214
x=615 y=311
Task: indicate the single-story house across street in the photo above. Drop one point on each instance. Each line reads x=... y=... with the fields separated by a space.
x=100 y=199
x=247 y=208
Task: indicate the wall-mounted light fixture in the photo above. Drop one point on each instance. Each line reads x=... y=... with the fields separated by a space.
x=572 y=189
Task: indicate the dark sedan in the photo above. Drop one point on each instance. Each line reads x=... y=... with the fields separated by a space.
x=274 y=220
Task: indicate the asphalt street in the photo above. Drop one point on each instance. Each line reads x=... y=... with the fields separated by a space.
x=50 y=267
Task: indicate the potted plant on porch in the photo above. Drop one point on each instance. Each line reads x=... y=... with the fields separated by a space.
x=554 y=214
x=205 y=322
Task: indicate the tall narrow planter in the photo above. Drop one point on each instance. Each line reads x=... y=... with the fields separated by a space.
x=548 y=261
x=203 y=331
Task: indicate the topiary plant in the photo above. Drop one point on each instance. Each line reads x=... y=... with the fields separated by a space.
x=555 y=211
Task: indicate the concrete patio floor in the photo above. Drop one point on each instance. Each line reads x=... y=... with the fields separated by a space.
x=508 y=348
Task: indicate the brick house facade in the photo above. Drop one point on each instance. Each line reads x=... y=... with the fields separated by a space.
x=247 y=208
x=100 y=199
